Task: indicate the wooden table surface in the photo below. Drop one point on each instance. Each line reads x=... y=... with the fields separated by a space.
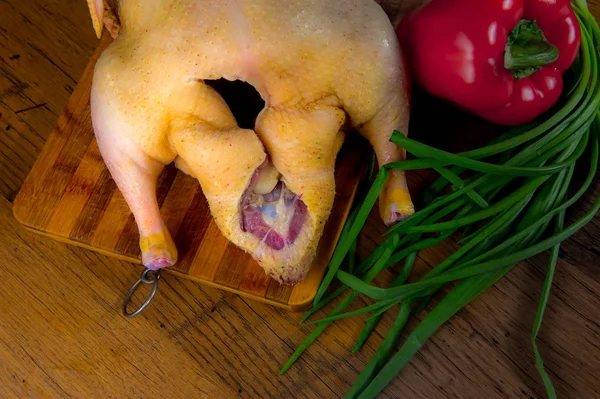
x=62 y=333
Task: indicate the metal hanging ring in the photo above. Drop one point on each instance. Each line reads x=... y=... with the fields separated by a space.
x=148 y=277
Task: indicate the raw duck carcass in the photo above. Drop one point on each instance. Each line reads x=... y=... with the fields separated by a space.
x=318 y=66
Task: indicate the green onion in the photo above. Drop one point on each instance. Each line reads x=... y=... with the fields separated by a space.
x=374 y=320
x=464 y=293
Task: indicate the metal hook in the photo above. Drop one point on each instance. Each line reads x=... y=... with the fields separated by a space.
x=148 y=277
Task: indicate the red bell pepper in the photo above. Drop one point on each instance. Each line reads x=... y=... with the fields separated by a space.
x=500 y=59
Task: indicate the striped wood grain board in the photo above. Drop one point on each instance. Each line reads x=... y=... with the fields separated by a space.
x=70 y=196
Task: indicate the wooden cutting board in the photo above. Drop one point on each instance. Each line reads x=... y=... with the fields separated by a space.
x=70 y=196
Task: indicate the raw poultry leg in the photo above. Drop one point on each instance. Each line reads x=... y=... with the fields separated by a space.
x=394 y=201
x=135 y=175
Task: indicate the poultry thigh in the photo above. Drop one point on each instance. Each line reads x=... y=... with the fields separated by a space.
x=318 y=66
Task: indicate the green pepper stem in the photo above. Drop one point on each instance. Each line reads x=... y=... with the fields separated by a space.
x=527 y=50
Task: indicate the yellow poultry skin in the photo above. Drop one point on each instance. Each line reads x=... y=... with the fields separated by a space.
x=317 y=65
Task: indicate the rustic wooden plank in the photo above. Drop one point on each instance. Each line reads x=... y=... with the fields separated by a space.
x=23 y=34
x=232 y=267
x=16 y=154
x=112 y=222
x=32 y=94
x=279 y=292
x=254 y=281
x=22 y=104
x=192 y=231
x=85 y=225
x=28 y=378
x=85 y=349
x=78 y=192
x=55 y=144
x=78 y=138
x=177 y=201
x=206 y=261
